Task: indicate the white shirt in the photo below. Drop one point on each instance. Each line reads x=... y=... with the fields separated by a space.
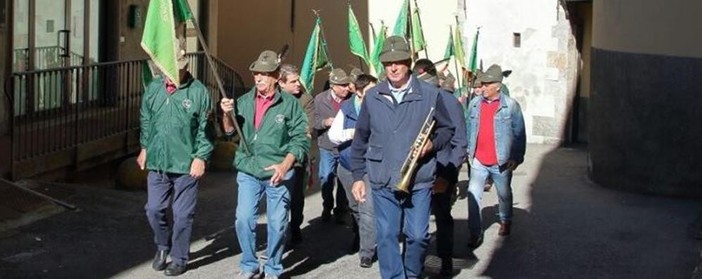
x=337 y=134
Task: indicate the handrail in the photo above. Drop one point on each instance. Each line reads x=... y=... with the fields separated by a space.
x=56 y=110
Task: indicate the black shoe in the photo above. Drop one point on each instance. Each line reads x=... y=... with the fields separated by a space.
x=475 y=241
x=175 y=269
x=340 y=217
x=159 y=262
x=295 y=237
x=326 y=215
x=446 y=267
x=366 y=262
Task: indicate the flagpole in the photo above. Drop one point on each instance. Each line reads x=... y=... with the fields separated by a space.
x=409 y=29
x=360 y=62
x=205 y=48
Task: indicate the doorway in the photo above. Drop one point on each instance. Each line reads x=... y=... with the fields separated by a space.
x=50 y=37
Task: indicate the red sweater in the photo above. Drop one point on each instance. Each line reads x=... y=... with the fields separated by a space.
x=486 y=151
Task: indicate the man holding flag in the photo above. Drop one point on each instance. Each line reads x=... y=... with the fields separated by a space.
x=175 y=156
x=175 y=159
x=275 y=126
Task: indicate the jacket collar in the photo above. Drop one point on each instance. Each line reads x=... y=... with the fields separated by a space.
x=414 y=94
x=276 y=96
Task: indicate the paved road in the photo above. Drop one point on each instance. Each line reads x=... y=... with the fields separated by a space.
x=564 y=227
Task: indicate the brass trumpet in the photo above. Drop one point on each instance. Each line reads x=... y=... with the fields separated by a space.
x=407 y=170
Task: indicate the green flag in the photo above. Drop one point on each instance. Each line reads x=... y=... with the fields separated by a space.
x=377 y=48
x=356 y=43
x=182 y=10
x=458 y=47
x=401 y=21
x=473 y=63
x=159 y=38
x=449 y=46
x=315 y=58
x=417 y=33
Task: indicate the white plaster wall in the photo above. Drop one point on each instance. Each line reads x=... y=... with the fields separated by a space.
x=544 y=67
x=436 y=17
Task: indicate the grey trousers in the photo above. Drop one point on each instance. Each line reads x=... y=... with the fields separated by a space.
x=363 y=214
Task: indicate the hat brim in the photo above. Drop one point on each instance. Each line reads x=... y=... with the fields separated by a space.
x=490 y=78
x=393 y=56
x=263 y=68
x=345 y=80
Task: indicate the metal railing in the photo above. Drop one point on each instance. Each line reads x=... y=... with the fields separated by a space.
x=57 y=110
x=44 y=58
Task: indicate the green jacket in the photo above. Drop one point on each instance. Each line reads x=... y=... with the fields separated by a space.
x=282 y=131
x=174 y=126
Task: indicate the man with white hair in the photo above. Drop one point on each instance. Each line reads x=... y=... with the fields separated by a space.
x=496 y=146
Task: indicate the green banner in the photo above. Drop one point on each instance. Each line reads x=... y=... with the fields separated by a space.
x=315 y=58
x=417 y=32
x=356 y=42
x=159 y=38
x=377 y=48
x=401 y=21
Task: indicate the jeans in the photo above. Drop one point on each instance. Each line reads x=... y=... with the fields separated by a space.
x=250 y=191
x=503 y=183
x=181 y=189
x=363 y=215
x=411 y=214
x=328 y=162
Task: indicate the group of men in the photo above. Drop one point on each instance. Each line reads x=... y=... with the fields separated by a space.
x=366 y=129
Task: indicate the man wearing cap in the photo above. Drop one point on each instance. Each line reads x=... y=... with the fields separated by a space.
x=274 y=126
x=175 y=157
x=496 y=146
x=341 y=133
x=354 y=73
x=390 y=119
x=327 y=105
x=425 y=70
x=289 y=83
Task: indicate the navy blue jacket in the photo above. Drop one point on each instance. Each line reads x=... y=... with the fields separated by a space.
x=350 y=118
x=385 y=131
x=451 y=157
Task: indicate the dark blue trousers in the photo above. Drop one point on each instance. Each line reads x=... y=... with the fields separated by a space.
x=180 y=190
x=407 y=215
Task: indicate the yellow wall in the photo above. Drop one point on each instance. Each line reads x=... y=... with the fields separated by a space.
x=242 y=29
x=649 y=26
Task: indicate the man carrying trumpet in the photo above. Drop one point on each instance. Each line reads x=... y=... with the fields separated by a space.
x=394 y=116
